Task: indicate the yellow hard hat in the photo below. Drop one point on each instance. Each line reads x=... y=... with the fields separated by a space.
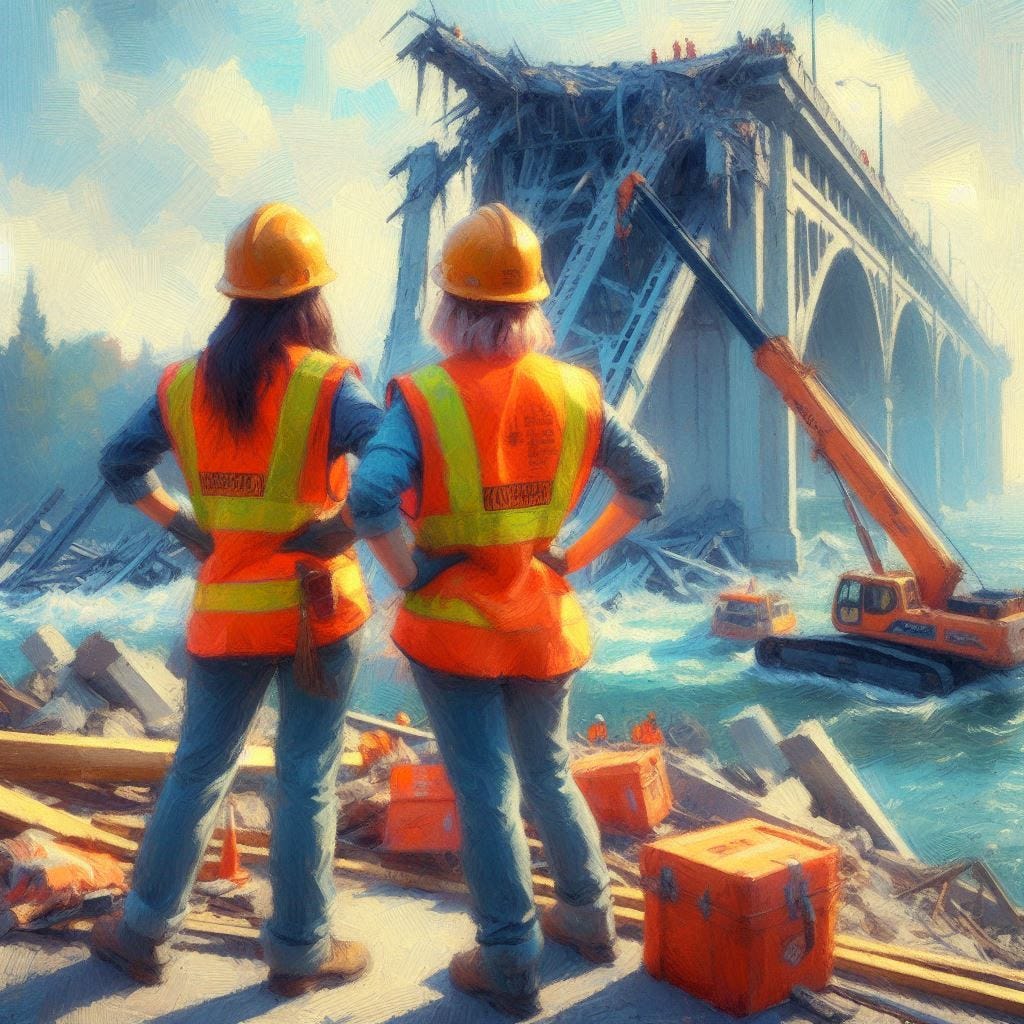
x=492 y=256
x=274 y=254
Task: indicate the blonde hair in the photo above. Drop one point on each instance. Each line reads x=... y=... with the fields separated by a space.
x=500 y=329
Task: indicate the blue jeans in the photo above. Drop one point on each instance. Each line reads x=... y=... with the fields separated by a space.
x=222 y=697
x=500 y=737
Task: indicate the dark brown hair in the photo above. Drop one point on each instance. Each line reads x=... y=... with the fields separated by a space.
x=248 y=344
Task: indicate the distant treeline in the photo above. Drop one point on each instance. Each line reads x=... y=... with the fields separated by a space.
x=59 y=402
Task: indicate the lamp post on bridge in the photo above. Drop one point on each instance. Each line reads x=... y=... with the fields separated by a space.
x=928 y=205
x=881 y=131
x=814 y=48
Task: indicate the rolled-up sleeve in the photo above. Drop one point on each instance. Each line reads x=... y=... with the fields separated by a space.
x=355 y=418
x=631 y=464
x=127 y=461
x=390 y=464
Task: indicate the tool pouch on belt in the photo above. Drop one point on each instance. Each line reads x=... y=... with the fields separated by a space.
x=318 y=599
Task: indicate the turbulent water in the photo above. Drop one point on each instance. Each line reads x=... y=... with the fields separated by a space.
x=949 y=771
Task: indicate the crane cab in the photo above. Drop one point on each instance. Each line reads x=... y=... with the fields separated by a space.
x=869 y=603
x=750 y=615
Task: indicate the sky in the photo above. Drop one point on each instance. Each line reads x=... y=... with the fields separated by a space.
x=135 y=135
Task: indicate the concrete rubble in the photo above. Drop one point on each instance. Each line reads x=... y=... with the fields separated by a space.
x=800 y=781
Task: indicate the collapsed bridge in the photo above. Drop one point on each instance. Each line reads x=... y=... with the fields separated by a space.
x=747 y=153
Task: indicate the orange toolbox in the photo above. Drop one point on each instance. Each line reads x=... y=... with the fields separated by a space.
x=740 y=913
x=627 y=790
x=422 y=817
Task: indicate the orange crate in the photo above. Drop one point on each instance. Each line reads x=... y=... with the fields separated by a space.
x=627 y=790
x=422 y=817
x=740 y=913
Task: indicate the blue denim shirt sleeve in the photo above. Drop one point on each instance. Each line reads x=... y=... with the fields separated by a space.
x=392 y=464
x=389 y=466
x=127 y=460
x=355 y=417
x=631 y=464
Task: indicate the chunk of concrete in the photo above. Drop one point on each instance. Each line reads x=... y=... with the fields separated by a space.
x=47 y=650
x=131 y=679
x=116 y=722
x=62 y=714
x=839 y=795
x=39 y=685
x=756 y=738
x=71 y=686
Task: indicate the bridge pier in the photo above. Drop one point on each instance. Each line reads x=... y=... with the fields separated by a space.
x=762 y=431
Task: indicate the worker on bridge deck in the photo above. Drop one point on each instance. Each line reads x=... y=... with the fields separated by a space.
x=260 y=424
x=598 y=731
x=492 y=448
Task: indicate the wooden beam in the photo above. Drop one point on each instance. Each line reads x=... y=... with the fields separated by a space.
x=994 y=973
x=408 y=732
x=70 y=757
x=19 y=811
x=931 y=982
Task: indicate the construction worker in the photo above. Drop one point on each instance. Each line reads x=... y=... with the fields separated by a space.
x=598 y=731
x=691 y=49
x=259 y=422
x=648 y=731
x=654 y=55
x=677 y=50
x=497 y=443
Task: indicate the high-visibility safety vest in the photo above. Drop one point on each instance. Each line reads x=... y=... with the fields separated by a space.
x=253 y=492
x=507 y=446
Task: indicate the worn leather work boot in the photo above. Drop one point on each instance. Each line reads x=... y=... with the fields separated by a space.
x=588 y=930
x=348 y=961
x=140 y=958
x=469 y=975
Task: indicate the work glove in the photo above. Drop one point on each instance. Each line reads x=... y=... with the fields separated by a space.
x=429 y=567
x=191 y=534
x=554 y=558
x=324 y=538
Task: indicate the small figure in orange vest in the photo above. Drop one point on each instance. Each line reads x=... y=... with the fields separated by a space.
x=677 y=51
x=374 y=745
x=260 y=423
x=654 y=56
x=402 y=718
x=457 y=31
x=864 y=158
x=598 y=731
x=691 y=49
x=647 y=731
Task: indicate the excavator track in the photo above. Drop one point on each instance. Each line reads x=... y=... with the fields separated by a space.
x=858 y=660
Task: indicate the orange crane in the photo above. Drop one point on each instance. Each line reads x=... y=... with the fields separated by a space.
x=909 y=628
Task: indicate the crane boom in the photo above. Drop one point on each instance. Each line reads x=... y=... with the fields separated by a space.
x=833 y=434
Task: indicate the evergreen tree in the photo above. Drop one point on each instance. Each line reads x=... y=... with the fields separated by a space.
x=31 y=322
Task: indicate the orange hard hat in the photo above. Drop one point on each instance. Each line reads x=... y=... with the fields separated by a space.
x=492 y=256
x=274 y=254
x=402 y=718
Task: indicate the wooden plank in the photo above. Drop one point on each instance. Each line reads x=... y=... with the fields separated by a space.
x=931 y=982
x=942 y=877
x=70 y=757
x=408 y=732
x=983 y=874
x=18 y=703
x=876 y=1001
x=19 y=811
x=29 y=525
x=983 y=971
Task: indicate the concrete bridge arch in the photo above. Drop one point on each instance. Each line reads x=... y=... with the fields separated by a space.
x=843 y=342
x=912 y=393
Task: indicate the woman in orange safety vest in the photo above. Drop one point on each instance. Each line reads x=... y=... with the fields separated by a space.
x=259 y=423
x=492 y=448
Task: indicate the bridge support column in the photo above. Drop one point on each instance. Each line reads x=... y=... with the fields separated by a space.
x=762 y=436
x=994 y=430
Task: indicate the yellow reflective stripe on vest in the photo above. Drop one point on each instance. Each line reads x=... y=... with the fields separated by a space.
x=279 y=510
x=183 y=430
x=268 y=595
x=455 y=436
x=447 y=609
x=264 y=596
x=468 y=523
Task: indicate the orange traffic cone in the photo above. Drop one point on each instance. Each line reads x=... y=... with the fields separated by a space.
x=230 y=865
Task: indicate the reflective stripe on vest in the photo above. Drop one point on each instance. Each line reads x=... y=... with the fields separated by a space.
x=278 y=510
x=468 y=523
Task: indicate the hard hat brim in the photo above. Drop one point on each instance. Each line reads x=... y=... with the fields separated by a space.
x=538 y=293
x=280 y=292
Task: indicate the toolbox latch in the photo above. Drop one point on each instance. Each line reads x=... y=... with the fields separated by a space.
x=664 y=886
x=798 y=903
